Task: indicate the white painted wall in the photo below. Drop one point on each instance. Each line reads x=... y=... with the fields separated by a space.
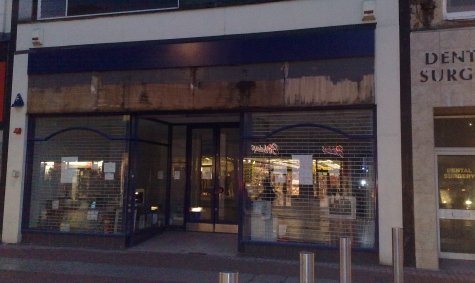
x=289 y=15
x=387 y=78
x=16 y=155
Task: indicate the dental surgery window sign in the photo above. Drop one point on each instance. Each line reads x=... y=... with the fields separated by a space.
x=448 y=66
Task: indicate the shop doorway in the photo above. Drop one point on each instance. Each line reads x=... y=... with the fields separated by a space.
x=456 y=203
x=184 y=174
x=213 y=178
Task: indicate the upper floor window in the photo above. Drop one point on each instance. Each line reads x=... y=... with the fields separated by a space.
x=30 y=10
x=48 y=9
x=460 y=9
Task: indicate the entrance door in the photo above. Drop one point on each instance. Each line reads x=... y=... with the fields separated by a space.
x=213 y=179
x=456 y=183
x=148 y=179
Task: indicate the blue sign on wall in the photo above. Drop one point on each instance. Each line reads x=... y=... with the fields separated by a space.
x=301 y=45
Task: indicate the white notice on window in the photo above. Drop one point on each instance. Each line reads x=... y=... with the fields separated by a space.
x=176 y=175
x=92 y=215
x=108 y=176
x=55 y=204
x=67 y=169
x=305 y=169
x=109 y=167
x=160 y=175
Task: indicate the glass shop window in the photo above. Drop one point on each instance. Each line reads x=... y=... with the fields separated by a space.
x=151 y=174
x=77 y=179
x=456 y=180
x=459 y=9
x=25 y=10
x=309 y=181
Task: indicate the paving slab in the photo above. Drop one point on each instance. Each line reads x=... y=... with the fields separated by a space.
x=191 y=258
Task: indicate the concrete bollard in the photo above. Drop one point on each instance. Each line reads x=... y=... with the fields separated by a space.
x=398 y=255
x=345 y=260
x=307 y=267
x=228 y=277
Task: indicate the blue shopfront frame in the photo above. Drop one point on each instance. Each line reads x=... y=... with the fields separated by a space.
x=309 y=44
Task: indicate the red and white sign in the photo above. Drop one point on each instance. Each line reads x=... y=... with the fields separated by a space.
x=271 y=148
x=333 y=150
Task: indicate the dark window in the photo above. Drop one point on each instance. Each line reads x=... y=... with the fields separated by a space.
x=25 y=10
x=454 y=132
x=53 y=8
x=460 y=8
x=87 y=7
x=65 y=8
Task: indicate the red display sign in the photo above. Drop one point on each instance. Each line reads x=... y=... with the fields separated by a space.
x=2 y=89
x=333 y=150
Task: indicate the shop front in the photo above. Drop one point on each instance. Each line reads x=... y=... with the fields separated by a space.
x=132 y=176
x=443 y=147
x=279 y=148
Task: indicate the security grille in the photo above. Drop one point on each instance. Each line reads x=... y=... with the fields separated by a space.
x=309 y=177
x=78 y=165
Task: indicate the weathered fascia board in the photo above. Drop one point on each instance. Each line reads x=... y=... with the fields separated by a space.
x=119 y=97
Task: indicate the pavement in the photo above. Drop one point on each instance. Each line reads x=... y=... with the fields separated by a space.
x=191 y=257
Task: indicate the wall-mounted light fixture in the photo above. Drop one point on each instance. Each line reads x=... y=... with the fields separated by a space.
x=18 y=101
x=369 y=8
x=37 y=37
x=15 y=173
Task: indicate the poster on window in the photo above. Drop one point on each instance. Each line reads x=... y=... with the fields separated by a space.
x=304 y=169
x=456 y=180
x=109 y=167
x=280 y=173
x=68 y=169
x=206 y=173
x=109 y=176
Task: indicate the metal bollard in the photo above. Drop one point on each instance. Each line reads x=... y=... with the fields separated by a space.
x=307 y=267
x=345 y=260
x=228 y=277
x=398 y=255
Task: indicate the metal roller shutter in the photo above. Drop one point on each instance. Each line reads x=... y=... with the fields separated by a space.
x=309 y=177
x=78 y=166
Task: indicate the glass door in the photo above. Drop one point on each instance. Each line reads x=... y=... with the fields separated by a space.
x=213 y=179
x=456 y=185
x=147 y=202
x=227 y=182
